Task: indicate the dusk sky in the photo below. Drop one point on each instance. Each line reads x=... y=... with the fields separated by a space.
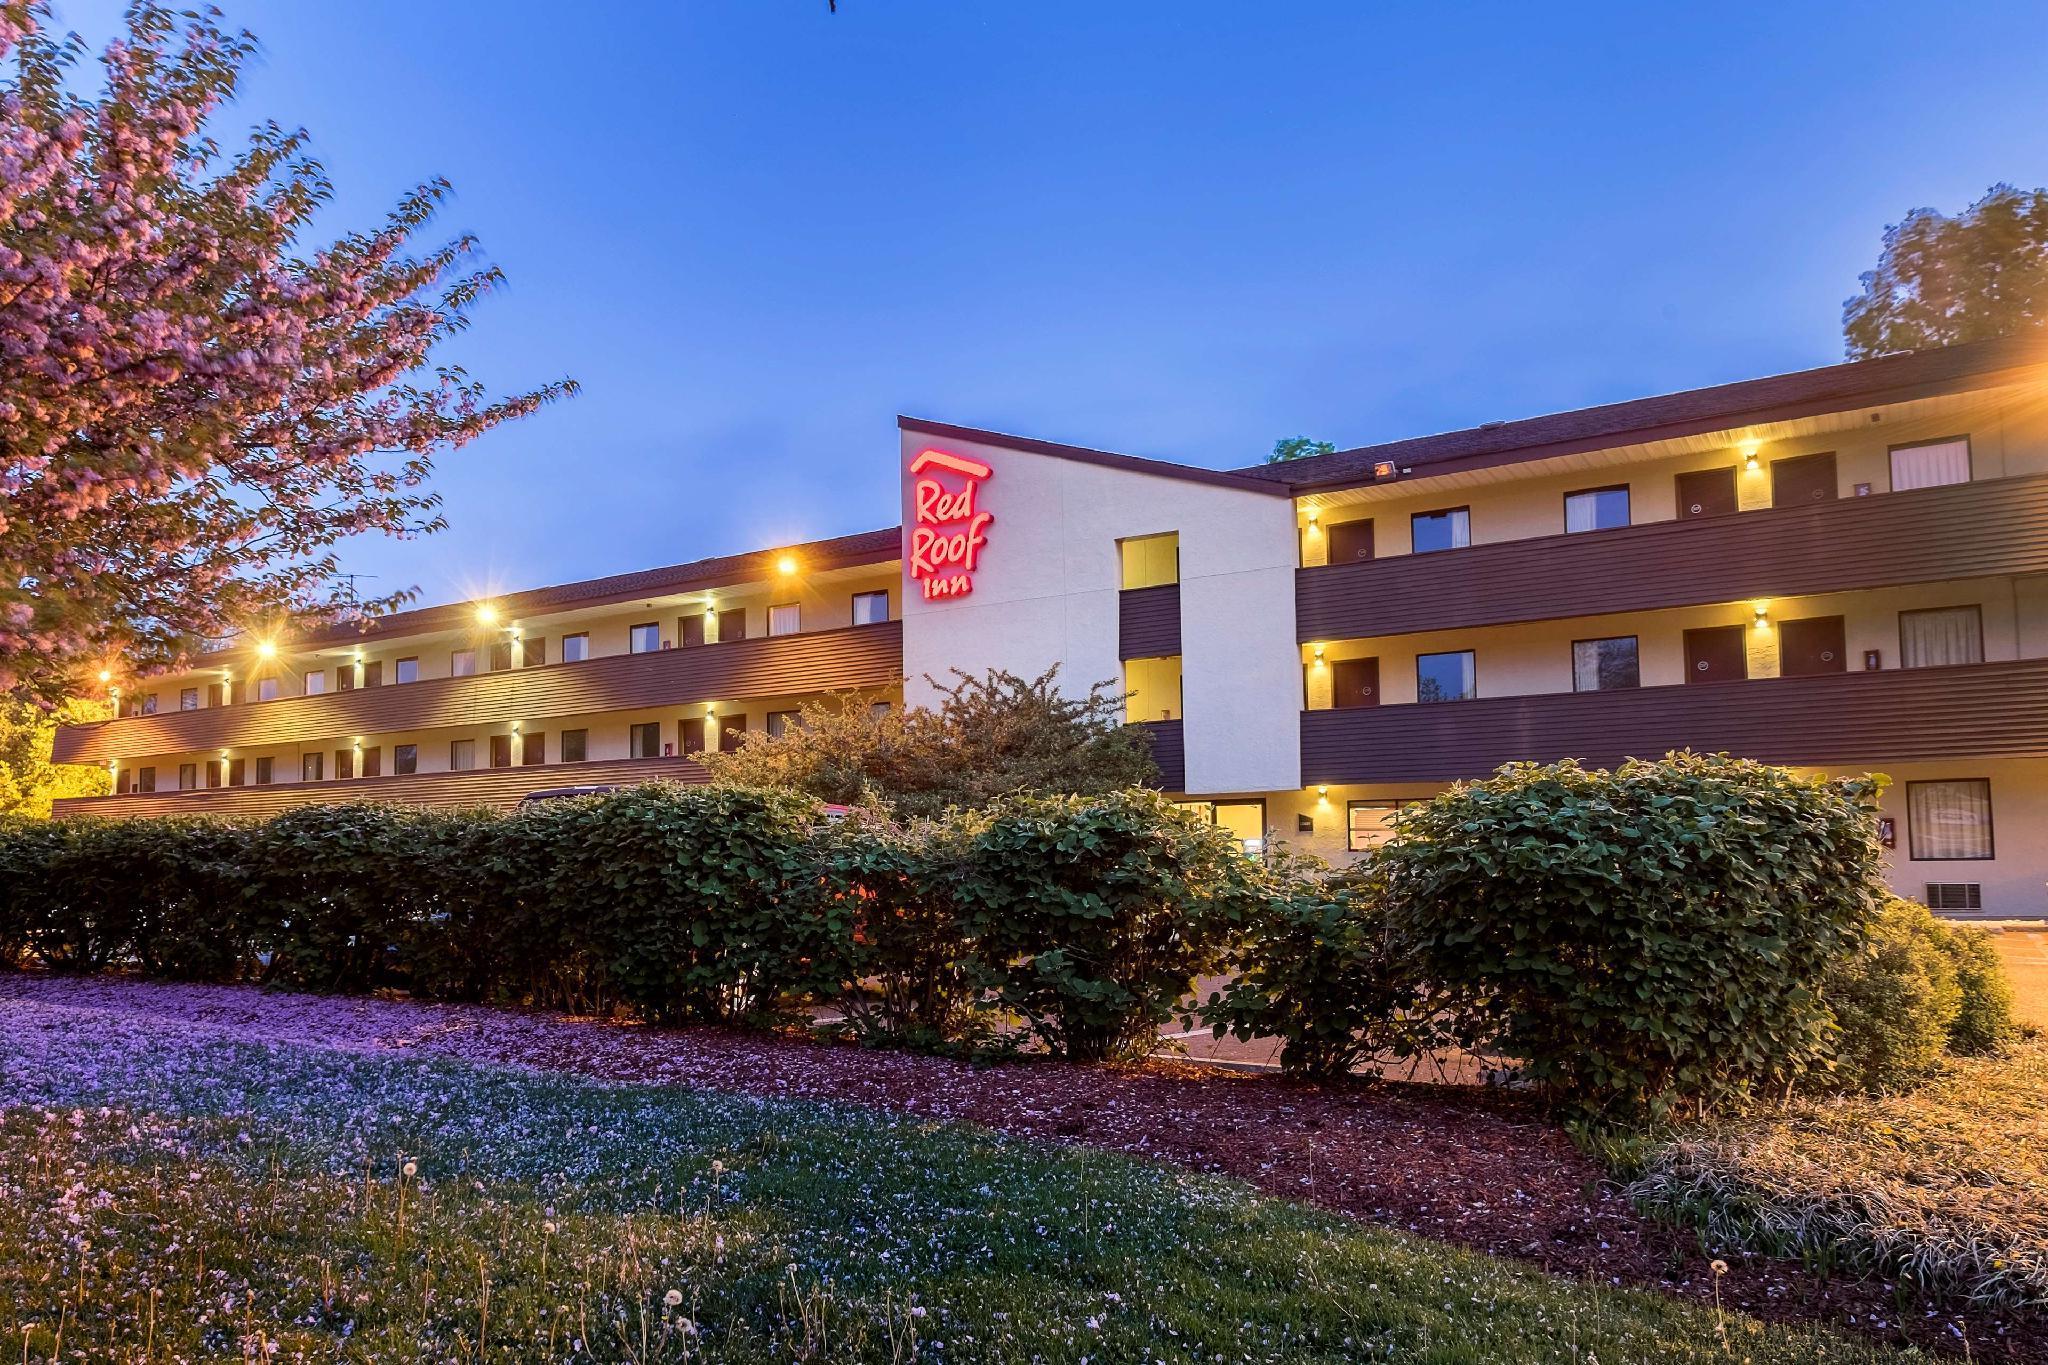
x=757 y=231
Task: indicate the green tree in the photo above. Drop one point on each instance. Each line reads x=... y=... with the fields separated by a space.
x=28 y=780
x=989 y=737
x=1298 y=448
x=1942 y=280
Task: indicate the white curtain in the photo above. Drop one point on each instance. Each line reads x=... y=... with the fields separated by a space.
x=1930 y=465
x=1949 y=820
x=1945 y=635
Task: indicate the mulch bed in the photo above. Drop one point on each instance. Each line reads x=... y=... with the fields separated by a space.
x=1459 y=1164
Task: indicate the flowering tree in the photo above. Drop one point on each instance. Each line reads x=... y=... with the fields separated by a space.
x=195 y=407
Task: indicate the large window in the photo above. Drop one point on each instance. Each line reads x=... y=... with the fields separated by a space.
x=1153 y=686
x=1930 y=464
x=575 y=746
x=188 y=699
x=461 y=755
x=405 y=759
x=266 y=689
x=406 y=670
x=316 y=682
x=1446 y=677
x=1370 y=823
x=1246 y=820
x=1596 y=509
x=780 y=722
x=1949 y=821
x=785 y=618
x=1150 y=561
x=1605 y=665
x=645 y=740
x=1450 y=529
x=644 y=638
x=1941 y=635
x=533 y=651
x=461 y=664
x=870 y=608
x=145 y=779
x=575 y=648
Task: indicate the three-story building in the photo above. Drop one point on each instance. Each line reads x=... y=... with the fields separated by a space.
x=1842 y=569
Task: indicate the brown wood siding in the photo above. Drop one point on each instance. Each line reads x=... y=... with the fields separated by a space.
x=829 y=660
x=1169 y=751
x=1997 y=710
x=1148 y=622
x=1997 y=526
x=497 y=787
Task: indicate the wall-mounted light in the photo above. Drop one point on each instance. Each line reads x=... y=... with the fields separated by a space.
x=786 y=565
x=1749 y=460
x=1763 y=614
x=1322 y=796
x=266 y=649
x=1317 y=651
x=486 y=614
x=515 y=727
x=1315 y=514
x=1383 y=469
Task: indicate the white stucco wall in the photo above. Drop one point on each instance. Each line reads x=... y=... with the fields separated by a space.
x=1046 y=592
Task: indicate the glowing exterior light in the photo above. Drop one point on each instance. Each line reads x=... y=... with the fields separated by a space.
x=266 y=649
x=786 y=565
x=486 y=614
x=1749 y=460
x=1763 y=614
x=106 y=675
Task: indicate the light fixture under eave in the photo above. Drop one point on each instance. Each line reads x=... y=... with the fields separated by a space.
x=266 y=649
x=1763 y=613
x=486 y=614
x=106 y=675
x=786 y=565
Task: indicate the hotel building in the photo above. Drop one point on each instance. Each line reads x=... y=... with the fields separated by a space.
x=1842 y=569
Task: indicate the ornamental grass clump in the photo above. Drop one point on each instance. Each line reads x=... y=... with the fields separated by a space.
x=1645 y=941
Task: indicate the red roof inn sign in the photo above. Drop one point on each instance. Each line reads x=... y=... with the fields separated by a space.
x=947 y=526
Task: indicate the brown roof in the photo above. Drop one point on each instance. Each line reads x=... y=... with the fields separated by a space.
x=866 y=547
x=1803 y=393
x=1137 y=464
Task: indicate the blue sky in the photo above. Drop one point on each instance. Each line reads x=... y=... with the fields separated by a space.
x=756 y=231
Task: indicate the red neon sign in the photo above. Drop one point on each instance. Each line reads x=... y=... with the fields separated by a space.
x=947 y=529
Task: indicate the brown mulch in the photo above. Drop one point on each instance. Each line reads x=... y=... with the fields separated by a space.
x=1464 y=1165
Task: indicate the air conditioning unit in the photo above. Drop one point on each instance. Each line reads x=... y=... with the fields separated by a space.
x=1955 y=897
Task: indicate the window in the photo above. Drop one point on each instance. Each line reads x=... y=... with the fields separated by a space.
x=533 y=748
x=644 y=638
x=870 y=608
x=1447 y=530
x=408 y=670
x=1605 y=665
x=264 y=768
x=1370 y=823
x=461 y=664
x=188 y=699
x=784 y=619
x=501 y=751
x=780 y=722
x=344 y=764
x=1941 y=635
x=149 y=705
x=309 y=767
x=1445 y=677
x=1949 y=821
x=405 y=759
x=1596 y=509
x=461 y=755
x=1244 y=819
x=1929 y=464
x=1153 y=688
x=731 y=730
x=878 y=709
x=188 y=776
x=373 y=762
x=575 y=746
x=316 y=683
x=145 y=779
x=533 y=652
x=645 y=740
x=501 y=656
x=1150 y=561
x=266 y=689
x=575 y=648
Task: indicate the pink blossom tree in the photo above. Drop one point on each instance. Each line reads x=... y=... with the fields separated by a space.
x=195 y=406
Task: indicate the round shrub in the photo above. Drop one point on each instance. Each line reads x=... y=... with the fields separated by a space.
x=1984 y=1018
x=1644 y=939
x=1894 y=999
x=1091 y=916
x=332 y=890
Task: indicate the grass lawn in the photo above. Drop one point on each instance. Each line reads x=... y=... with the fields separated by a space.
x=195 y=1196
x=1944 y=1187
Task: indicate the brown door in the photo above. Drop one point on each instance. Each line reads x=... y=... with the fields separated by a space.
x=693 y=735
x=1716 y=654
x=1706 y=493
x=1816 y=644
x=690 y=630
x=1355 y=682
x=1803 y=479
x=732 y=624
x=731 y=730
x=373 y=673
x=1350 y=542
x=501 y=751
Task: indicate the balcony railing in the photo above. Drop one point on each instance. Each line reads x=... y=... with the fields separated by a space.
x=1169 y=751
x=494 y=787
x=1970 y=530
x=1973 y=711
x=828 y=660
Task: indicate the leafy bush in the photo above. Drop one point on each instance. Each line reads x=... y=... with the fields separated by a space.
x=1092 y=916
x=331 y=892
x=1894 y=999
x=1320 y=968
x=1984 y=1018
x=1642 y=939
